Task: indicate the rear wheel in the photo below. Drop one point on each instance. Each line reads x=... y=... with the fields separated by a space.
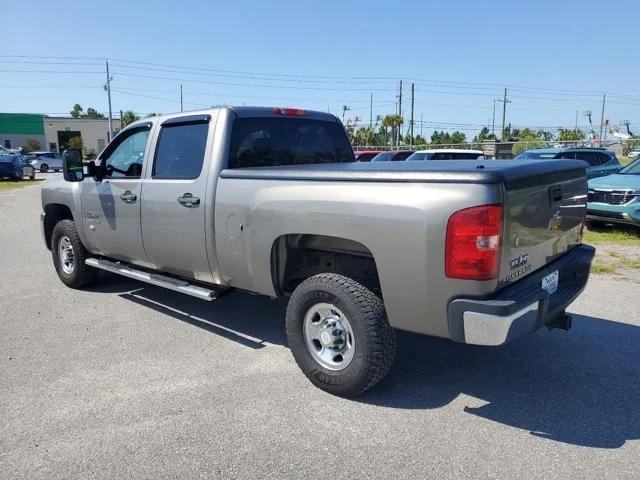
x=339 y=334
x=44 y=167
x=69 y=255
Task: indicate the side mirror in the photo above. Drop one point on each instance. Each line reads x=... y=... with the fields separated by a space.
x=72 y=166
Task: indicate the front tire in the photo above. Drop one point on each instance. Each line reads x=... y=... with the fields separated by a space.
x=43 y=168
x=339 y=334
x=69 y=255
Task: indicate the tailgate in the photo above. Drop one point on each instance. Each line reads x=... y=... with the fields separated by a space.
x=543 y=218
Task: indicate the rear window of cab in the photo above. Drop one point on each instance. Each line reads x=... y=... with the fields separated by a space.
x=276 y=141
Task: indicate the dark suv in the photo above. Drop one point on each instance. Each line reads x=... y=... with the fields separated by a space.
x=601 y=162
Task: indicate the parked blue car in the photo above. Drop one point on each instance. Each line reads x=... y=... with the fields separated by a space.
x=601 y=162
x=616 y=198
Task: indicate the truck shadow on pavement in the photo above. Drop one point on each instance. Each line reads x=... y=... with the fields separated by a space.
x=251 y=320
x=580 y=387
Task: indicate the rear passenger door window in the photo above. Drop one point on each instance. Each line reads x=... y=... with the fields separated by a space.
x=180 y=151
x=592 y=158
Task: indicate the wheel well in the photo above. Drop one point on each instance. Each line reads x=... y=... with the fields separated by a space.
x=54 y=213
x=296 y=257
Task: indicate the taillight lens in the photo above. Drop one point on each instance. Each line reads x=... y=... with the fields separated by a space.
x=472 y=250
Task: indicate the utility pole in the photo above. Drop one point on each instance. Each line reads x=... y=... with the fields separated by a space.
x=504 y=111
x=108 y=89
x=421 y=122
x=181 y=99
x=371 y=111
x=576 y=121
x=412 y=103
x=604 y=100
x=493 y=121
x=399 y=113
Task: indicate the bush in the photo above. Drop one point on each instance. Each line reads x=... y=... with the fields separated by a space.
x=31 y=144
x=630 y=145
x=527 y=143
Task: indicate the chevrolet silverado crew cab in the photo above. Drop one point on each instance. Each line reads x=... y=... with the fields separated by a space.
x=271 y=201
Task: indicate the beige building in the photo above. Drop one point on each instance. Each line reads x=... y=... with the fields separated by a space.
x=94 y=132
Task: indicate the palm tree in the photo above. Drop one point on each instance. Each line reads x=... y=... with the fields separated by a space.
x=394 y=122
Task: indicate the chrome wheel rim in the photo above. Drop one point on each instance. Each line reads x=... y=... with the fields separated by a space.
x=66 y=255
x=329 y=336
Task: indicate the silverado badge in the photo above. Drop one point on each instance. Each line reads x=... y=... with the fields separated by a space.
x=519 y=261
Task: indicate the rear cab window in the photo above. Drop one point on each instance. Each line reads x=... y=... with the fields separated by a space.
x=181 y=148
x=276 y=141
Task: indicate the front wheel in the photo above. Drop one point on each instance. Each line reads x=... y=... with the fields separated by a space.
x=43 y=168
x=69 y=255
x=339 y=334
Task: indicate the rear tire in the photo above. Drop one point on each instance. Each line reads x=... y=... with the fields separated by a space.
x=43 y=168
x=355 y=358
x=69 y=255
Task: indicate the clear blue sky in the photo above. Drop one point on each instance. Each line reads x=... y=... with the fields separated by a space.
x=315 y=55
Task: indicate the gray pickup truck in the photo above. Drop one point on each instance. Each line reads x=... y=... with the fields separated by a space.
x=271 y=201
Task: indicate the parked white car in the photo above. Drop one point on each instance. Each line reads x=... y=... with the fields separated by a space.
x=446 y=154
x=45 y=161
x=635 y=153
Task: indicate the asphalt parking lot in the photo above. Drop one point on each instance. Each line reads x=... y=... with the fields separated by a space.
x=131 y=381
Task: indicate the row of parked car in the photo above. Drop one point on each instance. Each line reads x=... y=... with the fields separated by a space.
x=614 y=191
x=16 y=166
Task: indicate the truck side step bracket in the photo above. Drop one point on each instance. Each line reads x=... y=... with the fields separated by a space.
x=164 y=281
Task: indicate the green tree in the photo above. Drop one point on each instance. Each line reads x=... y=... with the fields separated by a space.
x=393 y=122
x=570 y=135
x=76 y=111
x=440 y=137
x=419 y=140
x=127 y=118
x=458 y=137
x=31 y=144
x=92 y=113
x=528 y=142
x=75 y=143
x=364 y=136
x=484 y=134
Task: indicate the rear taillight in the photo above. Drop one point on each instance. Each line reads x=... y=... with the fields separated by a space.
x=472 y=250
x=292 y=112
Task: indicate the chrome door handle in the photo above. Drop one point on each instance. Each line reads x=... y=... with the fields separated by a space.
x=128 y=197
x=188 y=200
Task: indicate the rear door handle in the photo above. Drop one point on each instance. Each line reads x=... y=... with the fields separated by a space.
x=128 y=197
x=188 y=200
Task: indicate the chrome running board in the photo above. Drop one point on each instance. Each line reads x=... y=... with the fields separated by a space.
x=157 y=279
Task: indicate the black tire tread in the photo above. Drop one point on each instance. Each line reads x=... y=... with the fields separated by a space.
x=372 y=317
x=83 y=275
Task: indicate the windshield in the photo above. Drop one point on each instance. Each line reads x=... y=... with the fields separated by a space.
x=273 y=141
x=535 y=155
x=383 y=157
x=417 y=156
x=631 y=169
